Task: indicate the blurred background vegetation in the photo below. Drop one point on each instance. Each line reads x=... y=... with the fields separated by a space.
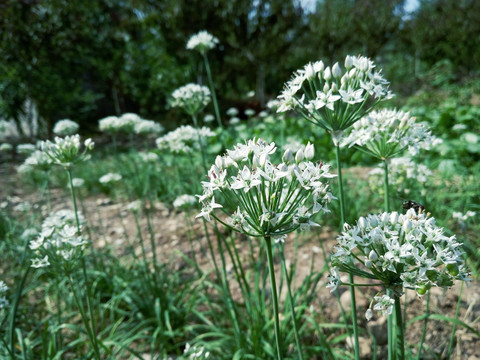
x=88 y=59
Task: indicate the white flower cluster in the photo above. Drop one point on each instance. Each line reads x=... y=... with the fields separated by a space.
x=26 y=149
x=383 y=304
x=402 y=251
x=196 y=352
x=332 y=97
x=270 y=200
x=3 y=300
x=463 y=217
x=202 y=42
x=185 y=201
x=129 y=123
x=184 y=139
x=110 y=178
x=66 y=151
x=65 y=127
x=78 y=182
x=401 y=172
x=135 y=206
x=58 y=244
x=6 y=147
x=192 y=98
x=148 y=157
x=37 y=160
x=387 y=132
x=232 y=112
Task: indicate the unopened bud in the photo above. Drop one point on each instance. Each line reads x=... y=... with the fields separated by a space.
x=309 y=151
x=336 y=71
x=288 y=156
x=299 y=156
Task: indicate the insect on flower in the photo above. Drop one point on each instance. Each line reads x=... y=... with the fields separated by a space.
x=410 y=204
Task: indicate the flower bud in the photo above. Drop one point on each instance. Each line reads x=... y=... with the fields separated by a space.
x=373 y=221
x=288 y=156
x=368 y=264
x=336 y=71
x=394 y=217
x=318 y=66
x=373 y=255
x=309 y=151
x=407 y=225
x=334 y=87
x=299 y=156
x=352 y=73
x=362 y=223
x=219 y=162
x=256 y=160
x=385 y=217
x=327 y=73
x=326 y=88
x=309 y=71
x=346 y=227
x=348 y=62
x=89 y=144
x=369 y=314
x=263 y=159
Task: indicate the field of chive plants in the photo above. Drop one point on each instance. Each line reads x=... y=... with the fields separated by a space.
x=327 y=226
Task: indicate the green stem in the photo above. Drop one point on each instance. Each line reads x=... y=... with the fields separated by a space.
x=271 y=269
x=424 y=331
x=93 y=337
x=350 y=276
x=391 y=355
x=16 y=302
x=292 y=306
x=457 y=311
x=212 y=89
x=200 y=142
x=386 y=187
x=399 y=334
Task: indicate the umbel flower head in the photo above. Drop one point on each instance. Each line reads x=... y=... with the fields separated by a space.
x=184 y=139
x=267 y=199
x=404 y=174
x=202 y=42
x=66 y=151
x=65 y=127
x=129 y=123
x=385 y=133
x=332 y=97
x=192 y=98
x=59 y=244
x=401 y=251
x=37 y=160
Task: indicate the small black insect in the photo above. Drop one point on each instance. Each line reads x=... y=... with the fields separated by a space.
x=410 y=204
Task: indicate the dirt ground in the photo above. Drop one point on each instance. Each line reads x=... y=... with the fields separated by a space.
x=111 y=224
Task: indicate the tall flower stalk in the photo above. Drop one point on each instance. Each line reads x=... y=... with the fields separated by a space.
x=61 y=245
x=268 y=200
x=203 y=42
x=386 y=133
x=334 y=99
x=192 y=99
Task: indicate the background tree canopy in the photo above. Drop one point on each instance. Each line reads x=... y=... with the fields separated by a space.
x=89 y=59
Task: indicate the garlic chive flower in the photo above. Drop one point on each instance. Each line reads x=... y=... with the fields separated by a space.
x=401 y=251
x=202 y=42
x=26 y=149
x=59 y=245
x=196 y=352
x=184 y=139
x=404 y=174
x=110 y=178
x=65 y=127
x=38 y=160
x=385 y=133
x=129 y=123
x=67 y=151
x=192 y=98
x=185 y=201
x=332 y=97
x=6 y=147
x=267 y=199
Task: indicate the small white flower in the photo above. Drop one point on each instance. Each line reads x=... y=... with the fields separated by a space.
x=202 y=42
x=110 y=178
x=65 y=127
